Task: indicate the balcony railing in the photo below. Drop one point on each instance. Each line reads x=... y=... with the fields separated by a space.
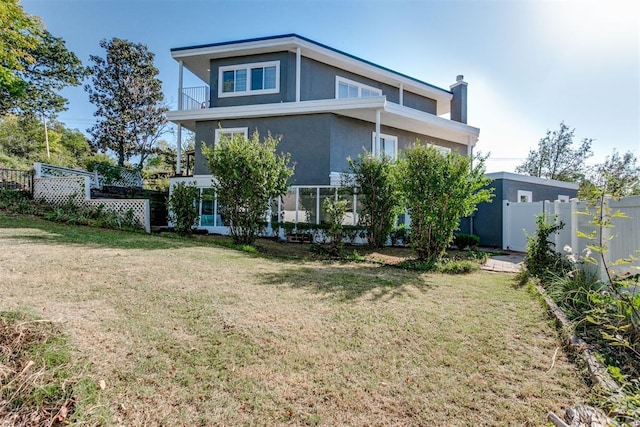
x=194 y=98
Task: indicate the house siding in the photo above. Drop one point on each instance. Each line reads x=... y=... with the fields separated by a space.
x=318 y=143
x=287 y=80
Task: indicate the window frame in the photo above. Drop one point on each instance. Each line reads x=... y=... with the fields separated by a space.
x=386 y=138
x=359 y=85
x=224 y=131
x=563 y=198
x=526 y=193
x=440 y=148
x=248 y=67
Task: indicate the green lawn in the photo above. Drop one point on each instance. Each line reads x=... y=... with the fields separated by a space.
x=188 y=333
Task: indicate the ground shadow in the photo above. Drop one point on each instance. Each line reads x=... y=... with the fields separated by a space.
x=351 y=281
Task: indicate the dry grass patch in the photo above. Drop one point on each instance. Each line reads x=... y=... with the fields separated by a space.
x=186 y=333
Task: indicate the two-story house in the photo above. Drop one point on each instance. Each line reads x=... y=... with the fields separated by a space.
x=326 y=105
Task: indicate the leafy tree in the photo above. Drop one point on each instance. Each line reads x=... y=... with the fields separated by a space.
x=379 y=198
x=129 y=100
x=36 y=65
x=247 y=174
x=556 y=159
x=22 y=140
x=19 y=35
x=183 y=207
x=439 y=189
x=618 y=175
x=335 y=210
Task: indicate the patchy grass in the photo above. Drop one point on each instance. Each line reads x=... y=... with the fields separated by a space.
x=184 y=332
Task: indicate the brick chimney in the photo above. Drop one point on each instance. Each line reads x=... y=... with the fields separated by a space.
x=459 y=100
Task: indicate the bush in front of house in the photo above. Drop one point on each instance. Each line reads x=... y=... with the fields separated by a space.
x=183 y=207
x=463 y=241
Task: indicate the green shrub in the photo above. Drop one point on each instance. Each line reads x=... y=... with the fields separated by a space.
x=457 y=266
x=183 y=207
x=542 y=260
x=463 y=241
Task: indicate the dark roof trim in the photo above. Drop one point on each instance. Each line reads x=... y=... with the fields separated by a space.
x=283 y=36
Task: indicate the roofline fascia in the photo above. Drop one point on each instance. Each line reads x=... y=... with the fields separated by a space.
x=316 y=45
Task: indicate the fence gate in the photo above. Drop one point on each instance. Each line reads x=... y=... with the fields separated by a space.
x=518 y=221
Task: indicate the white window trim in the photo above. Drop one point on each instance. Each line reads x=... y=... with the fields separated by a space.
x=354 y=83
x=527 y=194
x=563 y=198
x=224 y=131
x=443 y=150
x=386 y=138
x=248 y=67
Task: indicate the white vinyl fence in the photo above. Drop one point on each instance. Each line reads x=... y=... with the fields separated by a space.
x=519 y=220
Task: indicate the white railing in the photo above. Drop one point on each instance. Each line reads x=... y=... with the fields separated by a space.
x=112 y=175
x=195 y=98
x=44 y=170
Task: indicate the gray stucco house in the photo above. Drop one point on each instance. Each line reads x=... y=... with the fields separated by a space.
x=326 y=105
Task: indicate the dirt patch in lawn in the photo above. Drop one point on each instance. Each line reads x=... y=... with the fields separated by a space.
x=188 y=333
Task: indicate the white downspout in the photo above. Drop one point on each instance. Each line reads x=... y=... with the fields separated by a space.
x=179 y=150
x=298 y=64
x=377 y=143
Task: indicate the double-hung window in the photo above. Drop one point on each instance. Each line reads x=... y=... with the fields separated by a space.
x=387 y=146
x=346 y=88
x=249 y=79
x=229 y=133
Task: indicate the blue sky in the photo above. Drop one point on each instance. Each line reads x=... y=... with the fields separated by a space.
x=529 y=64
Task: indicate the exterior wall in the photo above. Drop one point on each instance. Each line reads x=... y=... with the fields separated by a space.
x=350 y=137
x=488 y=219
x=540 y=192
x=318 y=143
x=317 y=81
x=306 y=137
x=418 y=102
x=287 y=80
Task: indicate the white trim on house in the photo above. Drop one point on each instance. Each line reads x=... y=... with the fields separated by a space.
x=197 y=60
x=384 y=140
x=532 y=180
x=392 y=115
x=362 y=90
x=525 y=196
x=441 y=149
x=248 y=68
x=229 y=131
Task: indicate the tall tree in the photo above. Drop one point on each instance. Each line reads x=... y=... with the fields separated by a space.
x=556 y=159
x=19 y=35
x=129 y=100
x=618 y=175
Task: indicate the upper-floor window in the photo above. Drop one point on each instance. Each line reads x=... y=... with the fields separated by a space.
x=249 y=79
x=387 y=146
x=563 y=198
x=440 y=149
x=346 y=88
x=229 y=132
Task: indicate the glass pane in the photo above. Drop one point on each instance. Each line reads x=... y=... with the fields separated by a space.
x=347 y=194
x=366 y=93
x=343 y=90
x=241 y=80
x=324 y=194
x=227 y=81
x=289 y=206
x=307 y=205
x=389 y=148
x=270 y=77
x=353 y=91
x=256 y=78
x=208 y=206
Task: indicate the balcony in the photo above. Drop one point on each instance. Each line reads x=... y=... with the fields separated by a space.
x=194 y=98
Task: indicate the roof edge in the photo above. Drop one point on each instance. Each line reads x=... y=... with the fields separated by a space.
x=308 y=40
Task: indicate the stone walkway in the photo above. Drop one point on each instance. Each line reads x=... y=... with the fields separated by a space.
x=510 y=263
